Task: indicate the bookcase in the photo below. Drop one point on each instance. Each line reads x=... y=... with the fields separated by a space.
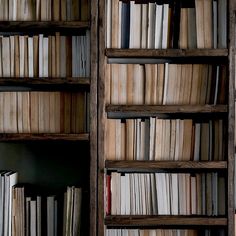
x=129 y=56
x=48 y=160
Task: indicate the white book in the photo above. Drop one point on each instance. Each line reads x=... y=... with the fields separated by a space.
x=12 y=58
x=108 y=23
x=174 y=194
x=31 y=57
x=152 y=138
x=41 y=53
x=122 y=195
x=87 y=72
x=6 y=57
x=127 y=191
x=158 y=26
x=45 y=57
x=135 y=25
x=39 y=215
x=13 y=178
x=33 y=220
x=165 y=26
x=22 y=55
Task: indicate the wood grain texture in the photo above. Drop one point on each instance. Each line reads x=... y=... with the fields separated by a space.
x=116 y=111
x=155 y=221
x=44 y=137
x=231 y=119
x=157 y=166
x=12 y=26
x=93 y=118
x=46 y=81
x=163 y=53
x=101 y=117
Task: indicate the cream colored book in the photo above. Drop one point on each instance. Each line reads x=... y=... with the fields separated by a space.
x=26 y=112
x=183 y=35
x=6 y=57
x=110 y=136
x=34 y=112
x=208 y=23
x=20 y=111
x=12 y=58
x=200 y=23
x=31 y=56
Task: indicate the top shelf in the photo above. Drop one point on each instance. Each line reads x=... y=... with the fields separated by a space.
x=165 y=53
x=16 y=26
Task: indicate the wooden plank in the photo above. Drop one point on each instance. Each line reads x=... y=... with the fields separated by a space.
x=157 y=166
x=231 y=119
x=46 y=81
x=9 y=26
x=155 y=221
x=163 y=53
x=117 y=111
x=44 y=137
x=93 y=119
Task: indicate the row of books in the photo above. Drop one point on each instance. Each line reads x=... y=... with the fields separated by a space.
x=43 y=112
x=165 y=140
x=164 y=232
x=44 y=10
x=166 y=84
x=194 y=24
x=27 y=214
x=165 y=194
x=45 y=56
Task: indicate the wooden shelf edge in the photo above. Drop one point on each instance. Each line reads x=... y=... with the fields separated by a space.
x=19 y=25
x=46 y=81
x=152 y=221
x=143 y=166
x=115 y=111
x=165 y=53
x=42 y=137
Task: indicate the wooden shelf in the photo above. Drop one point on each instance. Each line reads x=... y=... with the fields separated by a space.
x=157 y=166
x=152 y=221
x=165 y=53
x=16 y=26
x=131 y=111
x=44 y=137
x=17 y=84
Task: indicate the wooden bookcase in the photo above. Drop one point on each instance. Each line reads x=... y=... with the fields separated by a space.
x=50 y=162
x=108 y=111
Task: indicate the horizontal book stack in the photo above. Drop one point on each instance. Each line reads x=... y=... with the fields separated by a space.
x=44 y=10
x=45 y=56
x=28 y=213
x=165 y=140
x=43 y=112
x=166 y=84
x=163 y=232
x=175 y=24
x=166 y=194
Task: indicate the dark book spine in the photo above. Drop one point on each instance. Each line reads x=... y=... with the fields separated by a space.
x=125 y=24
x=175 y=24
x=108 y=195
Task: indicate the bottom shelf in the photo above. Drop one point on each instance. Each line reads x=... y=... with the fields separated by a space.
x=153 y=221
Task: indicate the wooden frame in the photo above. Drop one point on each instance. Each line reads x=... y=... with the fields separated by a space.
x=109 y=111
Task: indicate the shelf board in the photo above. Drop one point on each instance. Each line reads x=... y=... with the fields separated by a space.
x=130 y=111
x=152 y=221
x=44 y=137
x=44 y=83
x=9 y=26
x=165 y=53
x=156 y=166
